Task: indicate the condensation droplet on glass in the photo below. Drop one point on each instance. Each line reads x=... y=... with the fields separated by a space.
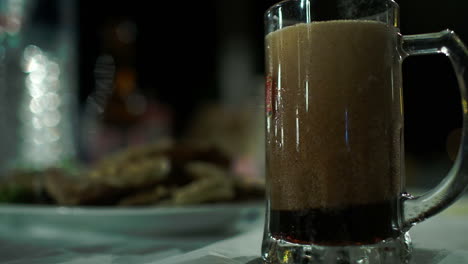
x=51 y=135
x=35 y=106
x=38 y=139
x=51 y=101
x=29 y=62
x=52 y=118
x=53 y=86
x=34 y=90
x=38 y=75
x=36 y=122
x=53 y=71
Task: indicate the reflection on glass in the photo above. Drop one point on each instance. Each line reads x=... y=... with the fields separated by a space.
x=44 y=136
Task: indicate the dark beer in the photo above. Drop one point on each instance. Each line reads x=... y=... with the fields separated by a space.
x=334 y=132
x=351 y=225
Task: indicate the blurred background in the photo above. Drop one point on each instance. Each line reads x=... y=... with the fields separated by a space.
x=94 y=77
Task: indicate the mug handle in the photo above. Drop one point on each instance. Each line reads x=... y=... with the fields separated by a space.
x=417 y=209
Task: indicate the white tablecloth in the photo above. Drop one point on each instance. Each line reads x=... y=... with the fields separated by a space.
x=440 y=240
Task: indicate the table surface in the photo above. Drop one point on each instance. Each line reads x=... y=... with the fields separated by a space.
x=442 y=239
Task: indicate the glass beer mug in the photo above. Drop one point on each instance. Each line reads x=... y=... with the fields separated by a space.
x=334 y=133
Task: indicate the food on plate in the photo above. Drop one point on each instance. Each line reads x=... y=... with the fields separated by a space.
x=160 y=174
x=68 y=190
x=22 y=187
x=152 y=196
x=137 y=166
x=211 y=183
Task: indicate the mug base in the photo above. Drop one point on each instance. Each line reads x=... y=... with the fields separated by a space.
x=390 y=251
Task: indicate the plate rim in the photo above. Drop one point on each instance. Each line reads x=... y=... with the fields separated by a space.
x=23 y=209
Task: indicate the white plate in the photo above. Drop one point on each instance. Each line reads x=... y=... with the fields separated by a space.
x=138 y=220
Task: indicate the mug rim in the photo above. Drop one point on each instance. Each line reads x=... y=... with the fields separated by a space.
x=393 y=4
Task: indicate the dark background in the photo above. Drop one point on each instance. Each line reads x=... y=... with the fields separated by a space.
x=178 y=46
